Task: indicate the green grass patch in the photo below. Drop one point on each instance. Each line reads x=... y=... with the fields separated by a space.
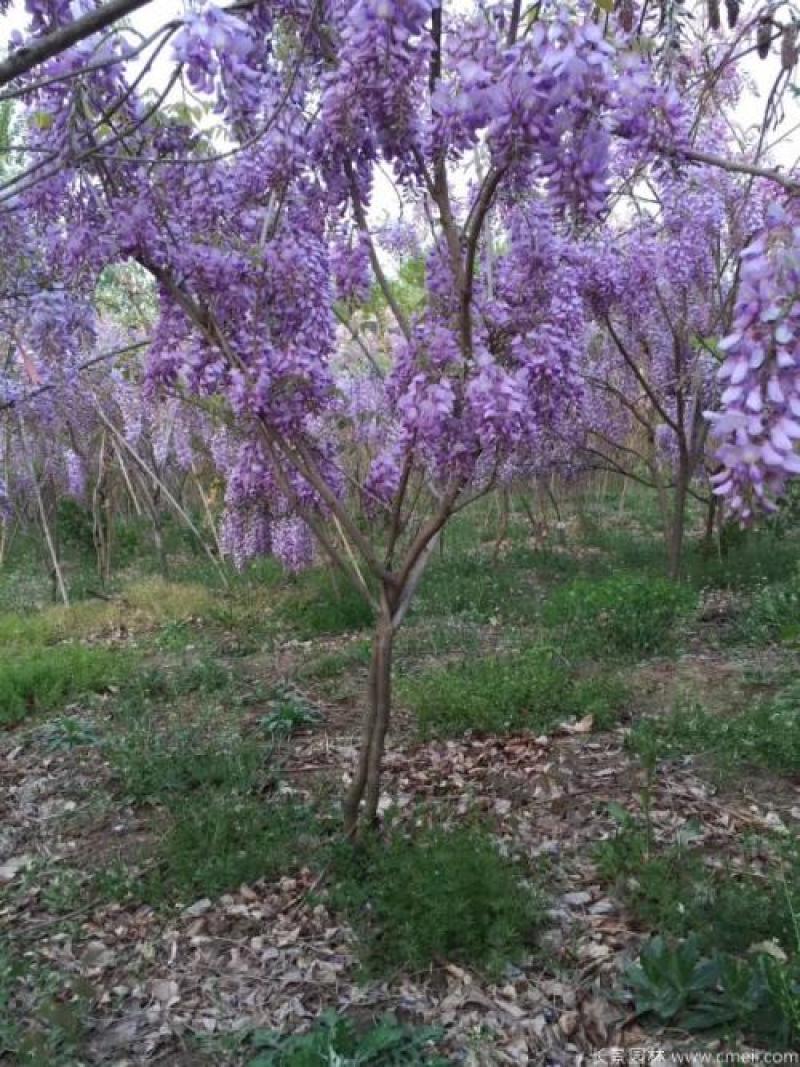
x=624 y=615
x=224 y=840
x=317 y=604
x=534 y=690
x=153 y=762
x=773 y=613
x=763 y=735
x=444 y=895
x=473 y=586
x=45 y=679
x=332 y=664
x=44 y=1015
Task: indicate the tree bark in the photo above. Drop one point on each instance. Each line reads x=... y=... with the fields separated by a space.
x=366 y=780
x=677 y=525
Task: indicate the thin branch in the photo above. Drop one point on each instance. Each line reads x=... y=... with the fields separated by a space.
x=53 y=44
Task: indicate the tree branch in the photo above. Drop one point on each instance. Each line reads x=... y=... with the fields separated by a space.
x=52 y=44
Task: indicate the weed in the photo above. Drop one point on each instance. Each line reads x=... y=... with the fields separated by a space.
x=671 y=890
x=226 y=840
x=332 y=664
x=334 y=1039
x=465 y=585
x=681 y=987
x=68 y=732
x=443 y=895
x=601 y=695
x=44 y=680
x=623 y=615
x=290 y=712
x=116 y=882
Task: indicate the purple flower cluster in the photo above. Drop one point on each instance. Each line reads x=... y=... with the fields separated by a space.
x=759 y=421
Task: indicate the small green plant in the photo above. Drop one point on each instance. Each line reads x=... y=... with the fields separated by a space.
x=289 y=712
x=336 y=1040
x=623 y=615
x=46 y=679
x=443 y=895
x=671 y=890
x=68 y=732
x=223 y=841
x=680 y=987
x=603 y=696
x=332 y=664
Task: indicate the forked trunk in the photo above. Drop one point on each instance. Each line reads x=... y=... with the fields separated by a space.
x=365 y=786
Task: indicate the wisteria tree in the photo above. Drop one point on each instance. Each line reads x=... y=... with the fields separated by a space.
x=661 y=298
x=234 y=154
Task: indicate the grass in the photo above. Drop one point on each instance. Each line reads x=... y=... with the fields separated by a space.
x=42 y=680
x=470 y=586
x=317 y=605
x=763 y=735
x=336 y=1039
x=773 y=613
x=144 y=606
x=625 y=615
x=333 y=664
x=673 y=891
x=225 y=840
x=534 y=690
x=443 y=895
x=43 y=1016
x=152 y=763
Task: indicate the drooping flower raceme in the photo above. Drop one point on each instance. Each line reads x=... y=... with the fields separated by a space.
x=758 y=425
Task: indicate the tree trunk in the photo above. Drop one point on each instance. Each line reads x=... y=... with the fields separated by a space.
x=708 y=534
x=366 y=780
x=505 y=516
x=677 y=525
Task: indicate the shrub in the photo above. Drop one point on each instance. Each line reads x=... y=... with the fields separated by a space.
x=531 y=690
x=623 y=615
x=224 y=841
x=46 y=679
x=443 y=895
